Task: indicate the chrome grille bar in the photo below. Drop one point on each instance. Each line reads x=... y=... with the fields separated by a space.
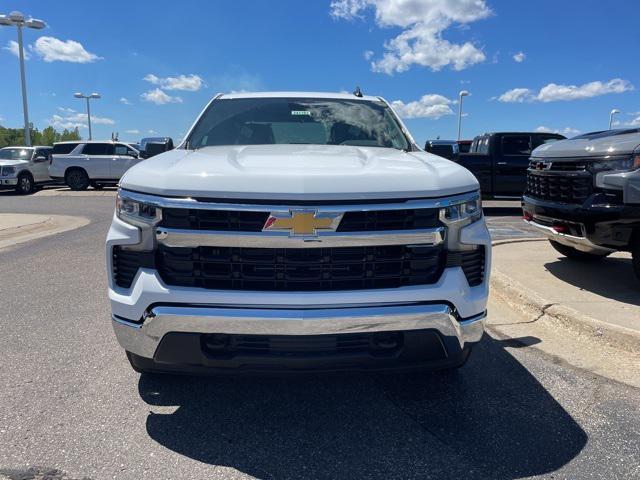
x=200 y=238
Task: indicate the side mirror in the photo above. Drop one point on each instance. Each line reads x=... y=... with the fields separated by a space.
x=144 y=154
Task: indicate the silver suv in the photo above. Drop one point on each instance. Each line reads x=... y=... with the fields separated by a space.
x=23 y=168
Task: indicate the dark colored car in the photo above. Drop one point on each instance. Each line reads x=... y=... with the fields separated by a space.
x=500 y=160
x=152 y=146
x=464 y=145
x=583 y=194
x=443 y=148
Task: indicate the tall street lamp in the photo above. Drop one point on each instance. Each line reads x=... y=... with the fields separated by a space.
x=463 y=93
x=87 y=97
x=613 y=112
x=16 y=19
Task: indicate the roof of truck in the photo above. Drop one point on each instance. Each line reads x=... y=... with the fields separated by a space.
x=341 y=95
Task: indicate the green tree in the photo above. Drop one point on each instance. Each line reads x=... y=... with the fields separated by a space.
x=15 y=136
x=49 y=136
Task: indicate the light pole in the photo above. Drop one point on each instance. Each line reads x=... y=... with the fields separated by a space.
x=613 y=112
x=87 y=97
x=16 y=19
x=463 y=93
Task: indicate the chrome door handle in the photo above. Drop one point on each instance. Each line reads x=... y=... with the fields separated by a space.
x=502 y=163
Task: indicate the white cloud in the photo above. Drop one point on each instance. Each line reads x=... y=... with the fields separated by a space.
x=51 y=49
x=429 y=106
x=190 y=83
x=72 y=119
x=133 y=131
x=423 y=22
x=159 y=97
x=554 y=92
x=368 y=54
x=151 y=132
x=567 y=131
x=635 y=122
x=517 y=95
x=124 y=101
x=12 y=47
x=519 y=57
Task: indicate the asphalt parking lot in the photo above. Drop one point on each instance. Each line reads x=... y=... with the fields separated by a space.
x=72 y=404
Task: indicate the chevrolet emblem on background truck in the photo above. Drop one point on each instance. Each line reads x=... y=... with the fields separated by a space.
x=302 y=222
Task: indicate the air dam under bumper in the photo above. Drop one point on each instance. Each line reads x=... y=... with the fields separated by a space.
x=174 y=338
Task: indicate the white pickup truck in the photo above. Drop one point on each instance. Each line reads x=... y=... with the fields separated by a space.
x=92 y=163
x=297 y=231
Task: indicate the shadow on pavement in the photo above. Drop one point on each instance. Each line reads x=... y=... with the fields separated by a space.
x=611 y=278
x=492 y=419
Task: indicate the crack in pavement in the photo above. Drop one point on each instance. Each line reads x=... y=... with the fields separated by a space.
x=543 y=312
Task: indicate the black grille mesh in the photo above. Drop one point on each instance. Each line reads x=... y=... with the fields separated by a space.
x=472 y=263
x=560 y=188
x=290 y=269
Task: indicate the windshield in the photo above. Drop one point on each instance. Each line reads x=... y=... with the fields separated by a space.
x=15 y=153
x=267 y=121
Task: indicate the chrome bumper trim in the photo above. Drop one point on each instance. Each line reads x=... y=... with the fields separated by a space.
x=327 y=207
x=143 y=338
x=200 y=238
x=579 y=243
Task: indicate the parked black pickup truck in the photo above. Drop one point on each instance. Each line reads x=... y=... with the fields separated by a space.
x=500 y=160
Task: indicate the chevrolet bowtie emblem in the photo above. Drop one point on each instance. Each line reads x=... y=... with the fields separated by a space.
x=302 y=222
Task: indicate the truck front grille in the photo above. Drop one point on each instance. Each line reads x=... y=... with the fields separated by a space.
x=248 y=221
x=566 y=188
x=300 y=269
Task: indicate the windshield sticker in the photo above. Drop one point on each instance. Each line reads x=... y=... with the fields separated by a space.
x=301 y=112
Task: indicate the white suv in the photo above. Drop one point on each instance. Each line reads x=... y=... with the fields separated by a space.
x=94 y=163
x=22 y=168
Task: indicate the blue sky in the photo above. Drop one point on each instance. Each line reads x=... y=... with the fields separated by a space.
x=579 y=60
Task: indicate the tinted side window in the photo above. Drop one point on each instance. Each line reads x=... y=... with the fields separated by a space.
x=442 y=150
x=63 y=148
x=120 y=150
x=42 y=152
x=516 y=145
x=98 y=149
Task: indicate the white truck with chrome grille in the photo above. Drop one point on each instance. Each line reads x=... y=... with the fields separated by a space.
x=297 y=232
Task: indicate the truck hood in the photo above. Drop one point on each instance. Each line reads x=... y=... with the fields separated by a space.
x=12 y=163
x=306 y=172
x=615 y=144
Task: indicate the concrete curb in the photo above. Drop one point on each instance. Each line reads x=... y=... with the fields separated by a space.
x=31 y=227
x=525 y=300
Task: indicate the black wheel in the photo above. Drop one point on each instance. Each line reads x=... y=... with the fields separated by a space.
x=25 y=184
x=635 y=256
x=77 y=179
x=97 y=186
x=574 y=254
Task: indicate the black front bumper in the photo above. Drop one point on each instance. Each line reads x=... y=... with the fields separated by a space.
x=196 y=353
x=604 y=223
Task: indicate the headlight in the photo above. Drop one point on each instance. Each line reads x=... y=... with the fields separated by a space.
x=6 y=171
x=621 y=164
x=136 y=212
x=465 y=212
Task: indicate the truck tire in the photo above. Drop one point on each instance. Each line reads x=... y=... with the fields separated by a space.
x=635 y=257
x=575 y=254
x=25 y=184
x=77 y=179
